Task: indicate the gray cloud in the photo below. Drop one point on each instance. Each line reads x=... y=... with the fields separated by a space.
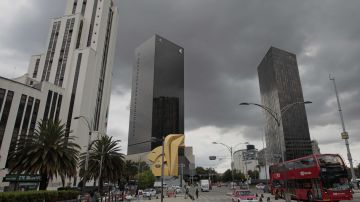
x=224 y=41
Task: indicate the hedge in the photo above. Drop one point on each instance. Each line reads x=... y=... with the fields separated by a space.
x=38 y=196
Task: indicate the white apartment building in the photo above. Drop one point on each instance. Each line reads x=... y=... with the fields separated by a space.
x=245 y=160
x=71 y=78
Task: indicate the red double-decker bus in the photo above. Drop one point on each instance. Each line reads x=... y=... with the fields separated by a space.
x=321 y=177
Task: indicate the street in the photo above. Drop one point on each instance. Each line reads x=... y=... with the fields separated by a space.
x=220 y=194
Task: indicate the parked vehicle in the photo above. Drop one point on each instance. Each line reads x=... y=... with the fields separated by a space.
x=204 y=185
x=149 y=193
x=177 y=189
x=243 y=195
x=260 y=186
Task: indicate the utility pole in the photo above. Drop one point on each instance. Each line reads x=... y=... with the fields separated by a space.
x=344 y=134
x=182 y=173
x=162 y=170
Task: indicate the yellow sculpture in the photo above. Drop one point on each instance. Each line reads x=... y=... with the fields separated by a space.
x=171 y=157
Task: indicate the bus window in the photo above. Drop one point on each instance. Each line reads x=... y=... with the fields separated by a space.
x=329 y=160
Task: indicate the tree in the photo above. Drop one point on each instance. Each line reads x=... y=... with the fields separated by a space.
x=112 y=163
x=200 y=171
x=227 y=176
x=146 y=179
x=253 y=174
x=130 y=170
x=48 y=152
x=238 y=175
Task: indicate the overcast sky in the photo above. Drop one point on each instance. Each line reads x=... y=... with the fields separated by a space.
x=224 y=42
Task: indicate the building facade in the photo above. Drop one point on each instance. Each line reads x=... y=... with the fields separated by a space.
x=71 y=78
x=280 y=86
x=246 y=159
x=315 y=147
x=157 y=97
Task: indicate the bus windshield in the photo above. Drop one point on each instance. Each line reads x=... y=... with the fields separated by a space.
x=337 y=184
x=328 y=160
x=244 y=193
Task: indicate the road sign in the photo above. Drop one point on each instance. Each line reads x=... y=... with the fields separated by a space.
x=212 y=157
x=344 y=135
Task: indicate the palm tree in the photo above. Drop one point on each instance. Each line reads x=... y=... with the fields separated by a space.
x=49 y=152
x=112 y=163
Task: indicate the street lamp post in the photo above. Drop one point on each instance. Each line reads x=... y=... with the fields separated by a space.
x=230 y=148
x=181 y=165
x=88 y=146
x=162 y=170
x=278 y=118
x=344 y=134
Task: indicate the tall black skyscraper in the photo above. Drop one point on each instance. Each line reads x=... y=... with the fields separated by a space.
x=280 y=85
x=157 y=97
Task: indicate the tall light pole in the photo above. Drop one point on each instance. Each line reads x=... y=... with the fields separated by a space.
x=230 y=148
x=181 y=165
x=344 y=134
x=278 y=118
x=88 y=147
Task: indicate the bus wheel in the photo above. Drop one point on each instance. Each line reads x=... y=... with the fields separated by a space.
x=310 y=196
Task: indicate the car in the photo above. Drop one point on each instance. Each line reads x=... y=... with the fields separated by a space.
x=243 y=195
x=149 y=192
x=260 y=186
x=177 y=189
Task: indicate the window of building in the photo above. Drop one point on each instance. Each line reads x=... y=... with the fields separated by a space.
x=26 y=120
x=16 y=130
x=47 y=105
x=5 y=113
x=36 y=68
x=34 y=117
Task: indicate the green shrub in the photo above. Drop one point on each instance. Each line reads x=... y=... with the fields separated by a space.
x=38 y=196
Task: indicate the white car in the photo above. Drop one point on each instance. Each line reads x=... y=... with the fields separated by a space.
x=260 y=186
x=149 y=193
x=177 y=189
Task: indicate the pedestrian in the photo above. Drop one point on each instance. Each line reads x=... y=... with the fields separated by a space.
x=92 y=197
x=186 y=192
x=358 y=184
x=197 y=193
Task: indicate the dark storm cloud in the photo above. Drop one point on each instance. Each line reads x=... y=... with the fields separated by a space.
x=28 y=32
x=224 y=42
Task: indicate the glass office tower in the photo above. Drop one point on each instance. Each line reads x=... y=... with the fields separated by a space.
x=280 y=86
x=157 y=97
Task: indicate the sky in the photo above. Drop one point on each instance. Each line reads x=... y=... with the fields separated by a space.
x=224 y=42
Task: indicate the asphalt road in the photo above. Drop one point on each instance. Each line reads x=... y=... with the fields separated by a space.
x=219 y=194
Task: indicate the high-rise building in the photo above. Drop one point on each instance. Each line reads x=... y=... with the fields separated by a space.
x=280 y=86
x=71 y=78
x=157 y=97
x=246 y=159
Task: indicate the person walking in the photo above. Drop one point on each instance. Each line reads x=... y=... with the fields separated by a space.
x=186 y=192
x=197 y=193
